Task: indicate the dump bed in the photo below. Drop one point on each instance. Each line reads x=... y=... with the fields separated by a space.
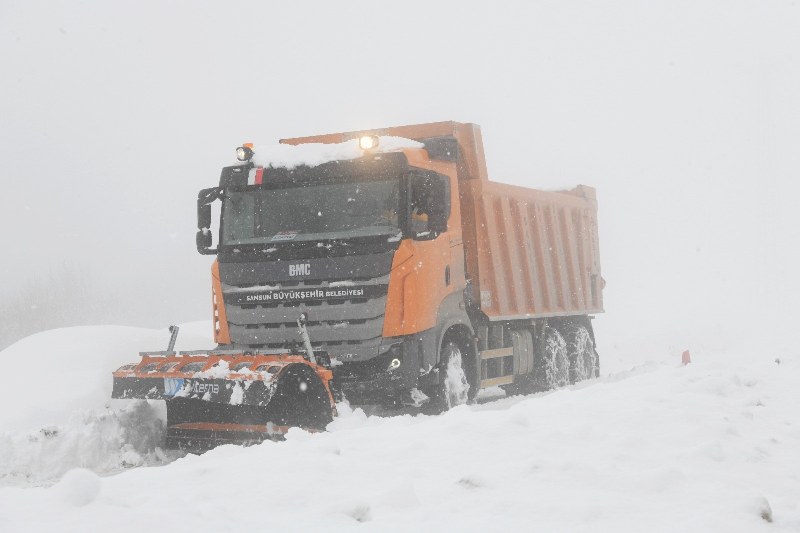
x=531 y=253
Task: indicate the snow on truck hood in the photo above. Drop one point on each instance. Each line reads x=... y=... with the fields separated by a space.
x=313 y=154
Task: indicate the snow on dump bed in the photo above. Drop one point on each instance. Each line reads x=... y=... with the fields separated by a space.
x=711 y=447
x=313 y=154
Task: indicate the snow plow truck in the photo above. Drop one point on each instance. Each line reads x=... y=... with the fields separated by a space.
x=381 y=266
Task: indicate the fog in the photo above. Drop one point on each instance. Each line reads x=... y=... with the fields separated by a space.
x=683 y=115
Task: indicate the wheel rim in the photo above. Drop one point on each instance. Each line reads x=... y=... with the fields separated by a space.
x=456 y=385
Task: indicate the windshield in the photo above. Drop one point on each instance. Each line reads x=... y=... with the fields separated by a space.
x=306 y=212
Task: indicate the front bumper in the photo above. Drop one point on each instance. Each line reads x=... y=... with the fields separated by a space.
x=377 y=380
x=378 y=389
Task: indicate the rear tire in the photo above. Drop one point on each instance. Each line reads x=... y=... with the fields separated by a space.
x=583 y=360
x=552 y=366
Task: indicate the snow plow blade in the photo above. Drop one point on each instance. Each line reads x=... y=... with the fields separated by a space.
x=231 y=398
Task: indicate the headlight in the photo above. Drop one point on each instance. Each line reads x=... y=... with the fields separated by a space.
x=368 y=142
x=244 y=152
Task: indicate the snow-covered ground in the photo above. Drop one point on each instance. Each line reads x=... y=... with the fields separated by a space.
x=650 y=446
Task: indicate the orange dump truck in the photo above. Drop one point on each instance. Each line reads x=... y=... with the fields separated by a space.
x=500 y=277
x=418 y=278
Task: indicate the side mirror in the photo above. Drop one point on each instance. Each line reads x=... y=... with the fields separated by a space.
x=429 y=201
x=204 y=237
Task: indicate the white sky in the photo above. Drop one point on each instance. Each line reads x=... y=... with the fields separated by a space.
x=684 y=115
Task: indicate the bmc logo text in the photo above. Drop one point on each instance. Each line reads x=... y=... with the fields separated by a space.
x=303 y=269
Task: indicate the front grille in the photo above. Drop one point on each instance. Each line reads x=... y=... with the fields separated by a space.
x=347 y=328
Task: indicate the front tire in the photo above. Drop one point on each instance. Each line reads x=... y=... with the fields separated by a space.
x=453 y=387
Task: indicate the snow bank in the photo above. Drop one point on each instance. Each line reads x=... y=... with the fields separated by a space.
x=57 y=372
x=313 y=154
x=655 y=447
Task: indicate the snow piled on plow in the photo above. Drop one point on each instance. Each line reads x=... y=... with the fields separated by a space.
x=104 y=441
x=57 y=413
x=650 y=446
